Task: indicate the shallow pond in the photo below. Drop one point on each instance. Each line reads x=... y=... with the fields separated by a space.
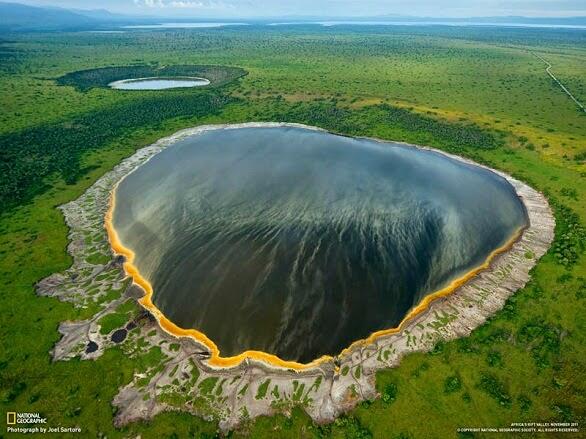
x=158 y=83
x=298 y=242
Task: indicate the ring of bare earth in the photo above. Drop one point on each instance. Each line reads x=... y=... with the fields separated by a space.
x=184 y=379
x=85 y=80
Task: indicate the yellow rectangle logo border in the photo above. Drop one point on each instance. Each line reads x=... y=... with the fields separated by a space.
x=11 y=418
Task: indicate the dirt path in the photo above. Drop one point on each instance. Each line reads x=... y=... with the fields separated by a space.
x=552 y=76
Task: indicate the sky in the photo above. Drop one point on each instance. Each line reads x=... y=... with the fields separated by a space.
x=327 y=8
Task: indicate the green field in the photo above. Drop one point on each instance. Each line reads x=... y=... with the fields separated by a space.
x=477 y=92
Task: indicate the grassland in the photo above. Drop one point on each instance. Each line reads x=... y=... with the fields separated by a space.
x=481 y=93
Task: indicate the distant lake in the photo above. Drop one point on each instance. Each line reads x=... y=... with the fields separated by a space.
x=427 y=23
x=329 y=23
x=298 y=242
x=181 y=25
x=158 y=83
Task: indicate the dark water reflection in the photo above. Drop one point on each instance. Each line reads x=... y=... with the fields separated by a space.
x=298 y=242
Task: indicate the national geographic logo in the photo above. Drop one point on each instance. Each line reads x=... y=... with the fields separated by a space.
x=25 y=418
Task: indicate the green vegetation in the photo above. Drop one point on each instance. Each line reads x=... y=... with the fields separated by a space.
x=98 y=259
x=207 y=385
x=112 y=321
x=262 y=389
x=389 y=393
x=493 y=387
x=452 y=384
x=473 y=91
x=29 y=156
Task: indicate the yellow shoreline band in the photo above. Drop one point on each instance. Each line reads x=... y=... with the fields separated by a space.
x=270 y=359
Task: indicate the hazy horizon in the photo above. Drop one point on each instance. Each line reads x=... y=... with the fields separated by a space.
x=325 y=8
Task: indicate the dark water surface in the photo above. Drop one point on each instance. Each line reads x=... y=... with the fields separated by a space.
x=298 y=242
